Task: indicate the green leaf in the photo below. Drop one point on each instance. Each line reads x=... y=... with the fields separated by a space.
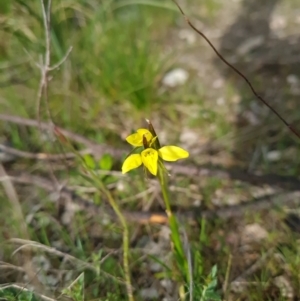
x=213 y=272
x=16 y=294
x=89 y=161
x=209 y=295
x=212 y=285
x=106 y=162
x=163 y=264
x=76 y=290
x=5 y=7
x=175 y=235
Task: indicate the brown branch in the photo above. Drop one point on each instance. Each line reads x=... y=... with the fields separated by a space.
x=223 y=212
x=287 y=182
x=10 y=191
x=248 y=82
x=96 y=148
x=40 y=156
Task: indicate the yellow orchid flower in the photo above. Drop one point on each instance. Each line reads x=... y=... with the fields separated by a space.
x=150 y=157
x=136 y=139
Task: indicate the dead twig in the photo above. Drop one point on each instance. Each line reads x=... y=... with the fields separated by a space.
x=237 y=71
x=252 y=269
x=58 y=64
x=19 y=217
x=23 y=288
x=223 y=212
x=40 y=156
x=25 y=244
x=287 y=182
x=95 y=148
x=44 y=66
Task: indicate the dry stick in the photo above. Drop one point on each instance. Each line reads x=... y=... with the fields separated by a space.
x=289 y=126
x=253 y=268
x=98 y=150
x=226 y=280
x=95 y=148
x=80 y=264
x=38 y=156
x=44 y=67
x=57 y=65
x=46 y=126
x=11 y=193
x=223 y=212
x=287 y=182
x=24 y=289
x=44 y=87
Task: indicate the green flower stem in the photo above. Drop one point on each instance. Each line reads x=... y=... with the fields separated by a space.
x=122 y=219
x=175 y=234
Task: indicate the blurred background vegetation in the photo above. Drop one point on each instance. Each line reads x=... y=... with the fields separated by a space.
x=121 y=51
x=124 y=53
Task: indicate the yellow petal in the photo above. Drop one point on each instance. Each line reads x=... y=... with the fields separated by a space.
x=172 y=153
x=131 y=162
x=149 y=158
x=137 y=138
x=153 y=141
x=146 y=133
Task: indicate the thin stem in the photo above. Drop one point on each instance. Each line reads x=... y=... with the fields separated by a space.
x=165 y=192
x=122 y=219
x=175 y=234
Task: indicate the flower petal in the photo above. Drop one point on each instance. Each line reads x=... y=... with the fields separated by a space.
x=136 y=139
x=172 y=153
x=131 y=162
x=150 y=158
x=146 y=133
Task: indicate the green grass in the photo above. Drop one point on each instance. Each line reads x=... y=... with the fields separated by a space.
x=116 y=56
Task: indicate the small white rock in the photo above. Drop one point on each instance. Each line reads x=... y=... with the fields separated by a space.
x=273 y=155
x=167 y=284
x=218 y=83
x=120 y=186
x=197 y=203
x=164 y=233
x=175 y=77
x=187 y=35
x=155 y=267
x=278 y=22
x=292 y=79
x=220 y=101
x=153 y=248
x=251 y=118
x=41 y=262
x=254 y=233
x=189 y=138
x=51 y=280
x=285 y=287
x=250 y=44
x=149 y=293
